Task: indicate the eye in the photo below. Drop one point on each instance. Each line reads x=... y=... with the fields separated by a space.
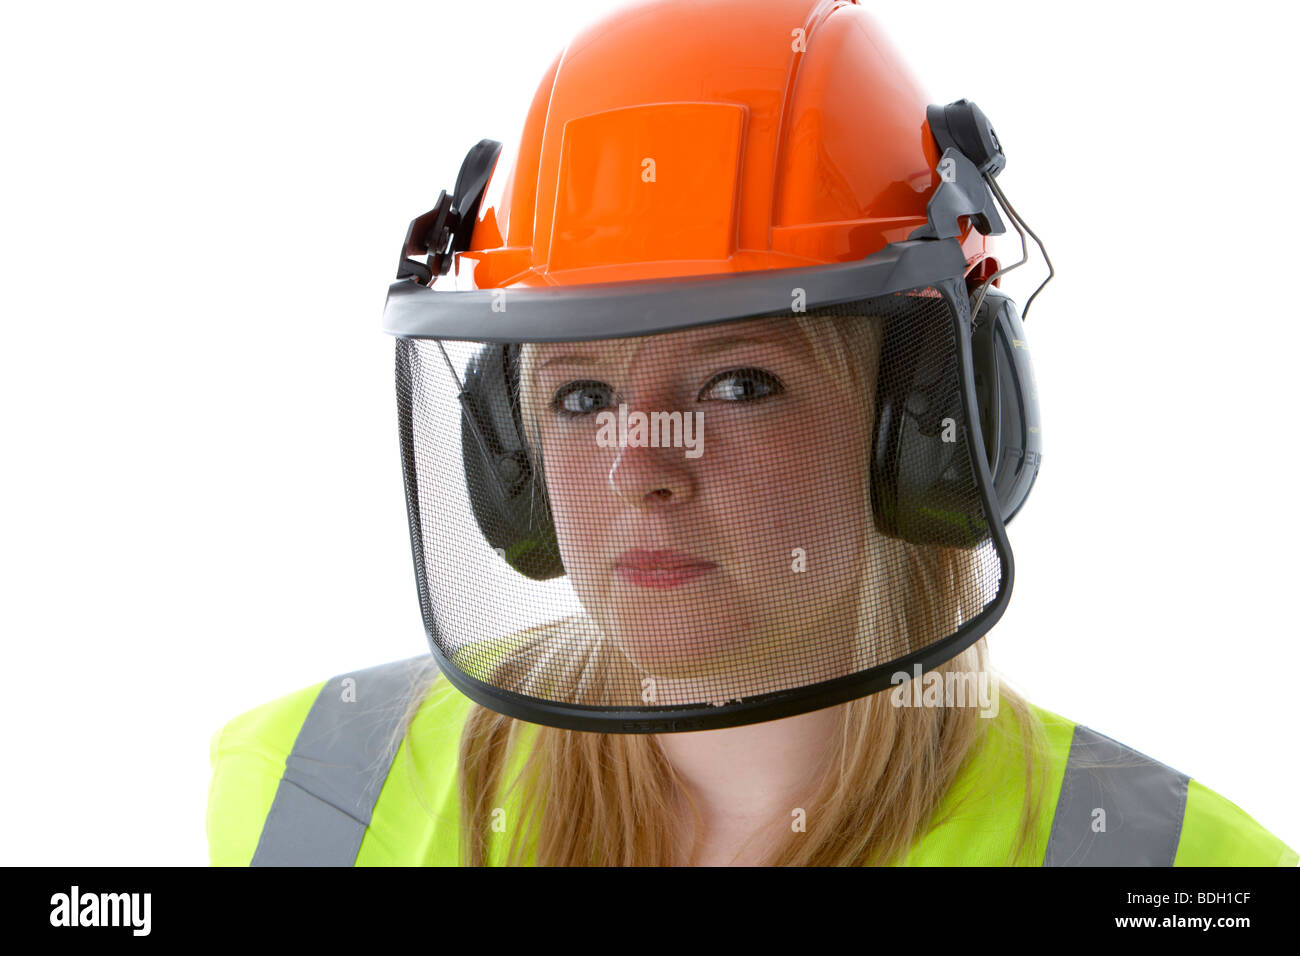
x=581 y=398
x=741 y=385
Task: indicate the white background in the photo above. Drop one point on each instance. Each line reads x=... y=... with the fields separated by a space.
x=201 y=493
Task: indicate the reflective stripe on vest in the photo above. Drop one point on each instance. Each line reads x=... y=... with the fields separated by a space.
x=1126 y=812
x=338 y=765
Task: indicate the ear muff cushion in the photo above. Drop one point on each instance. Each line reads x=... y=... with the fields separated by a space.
x=506 y=490
x=1013 y=400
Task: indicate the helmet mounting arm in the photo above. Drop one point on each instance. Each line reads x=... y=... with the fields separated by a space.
x=447 y=228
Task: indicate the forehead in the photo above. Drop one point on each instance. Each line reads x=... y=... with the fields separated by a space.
x=779 y=332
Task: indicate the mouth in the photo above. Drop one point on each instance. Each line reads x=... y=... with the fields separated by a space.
x=662 y=568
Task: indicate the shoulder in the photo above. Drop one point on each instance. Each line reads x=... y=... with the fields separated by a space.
x=1116 y=806
x=316 y=756
x=1217 y=832
x=247 y=756
x=1101 y=803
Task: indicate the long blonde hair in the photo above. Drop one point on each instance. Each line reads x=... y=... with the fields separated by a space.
x=613 y=799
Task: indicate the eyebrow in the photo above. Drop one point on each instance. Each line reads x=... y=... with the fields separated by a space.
x=571 y=358
x=730 y=341
x=708 y=348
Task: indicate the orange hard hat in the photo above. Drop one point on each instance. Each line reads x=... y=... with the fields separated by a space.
x=681 y=138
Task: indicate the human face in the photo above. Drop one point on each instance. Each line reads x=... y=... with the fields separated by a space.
x=729 y=568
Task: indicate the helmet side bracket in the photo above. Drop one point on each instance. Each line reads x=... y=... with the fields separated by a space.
x=448 y=227
x=970 y=151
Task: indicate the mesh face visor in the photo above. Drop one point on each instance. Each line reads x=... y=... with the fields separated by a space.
x=707 y=524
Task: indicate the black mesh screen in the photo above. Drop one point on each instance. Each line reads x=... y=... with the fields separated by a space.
x=701 y=517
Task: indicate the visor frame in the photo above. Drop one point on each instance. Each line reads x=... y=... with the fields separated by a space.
x=646 y=307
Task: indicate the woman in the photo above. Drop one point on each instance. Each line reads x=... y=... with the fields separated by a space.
x=707 y=475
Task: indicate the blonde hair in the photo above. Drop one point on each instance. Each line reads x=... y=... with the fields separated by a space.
x=612 y=799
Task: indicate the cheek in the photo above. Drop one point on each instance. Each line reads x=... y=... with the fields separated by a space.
x=576 y=483
x=805 y=489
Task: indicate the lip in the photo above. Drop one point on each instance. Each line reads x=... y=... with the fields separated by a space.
x=662 y=568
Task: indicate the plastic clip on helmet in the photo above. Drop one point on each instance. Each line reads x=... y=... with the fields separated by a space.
x=714 y=438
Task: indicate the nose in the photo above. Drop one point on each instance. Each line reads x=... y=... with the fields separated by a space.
x=647 y=477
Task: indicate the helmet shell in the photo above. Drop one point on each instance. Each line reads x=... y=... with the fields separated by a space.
x=676 y=138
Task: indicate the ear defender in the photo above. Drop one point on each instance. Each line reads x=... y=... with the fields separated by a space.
x=920 y=474
x=506 y=490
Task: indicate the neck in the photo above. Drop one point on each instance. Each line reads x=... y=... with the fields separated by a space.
x=743 y=779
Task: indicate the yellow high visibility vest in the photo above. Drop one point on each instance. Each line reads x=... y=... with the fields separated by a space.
x=312 y=779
